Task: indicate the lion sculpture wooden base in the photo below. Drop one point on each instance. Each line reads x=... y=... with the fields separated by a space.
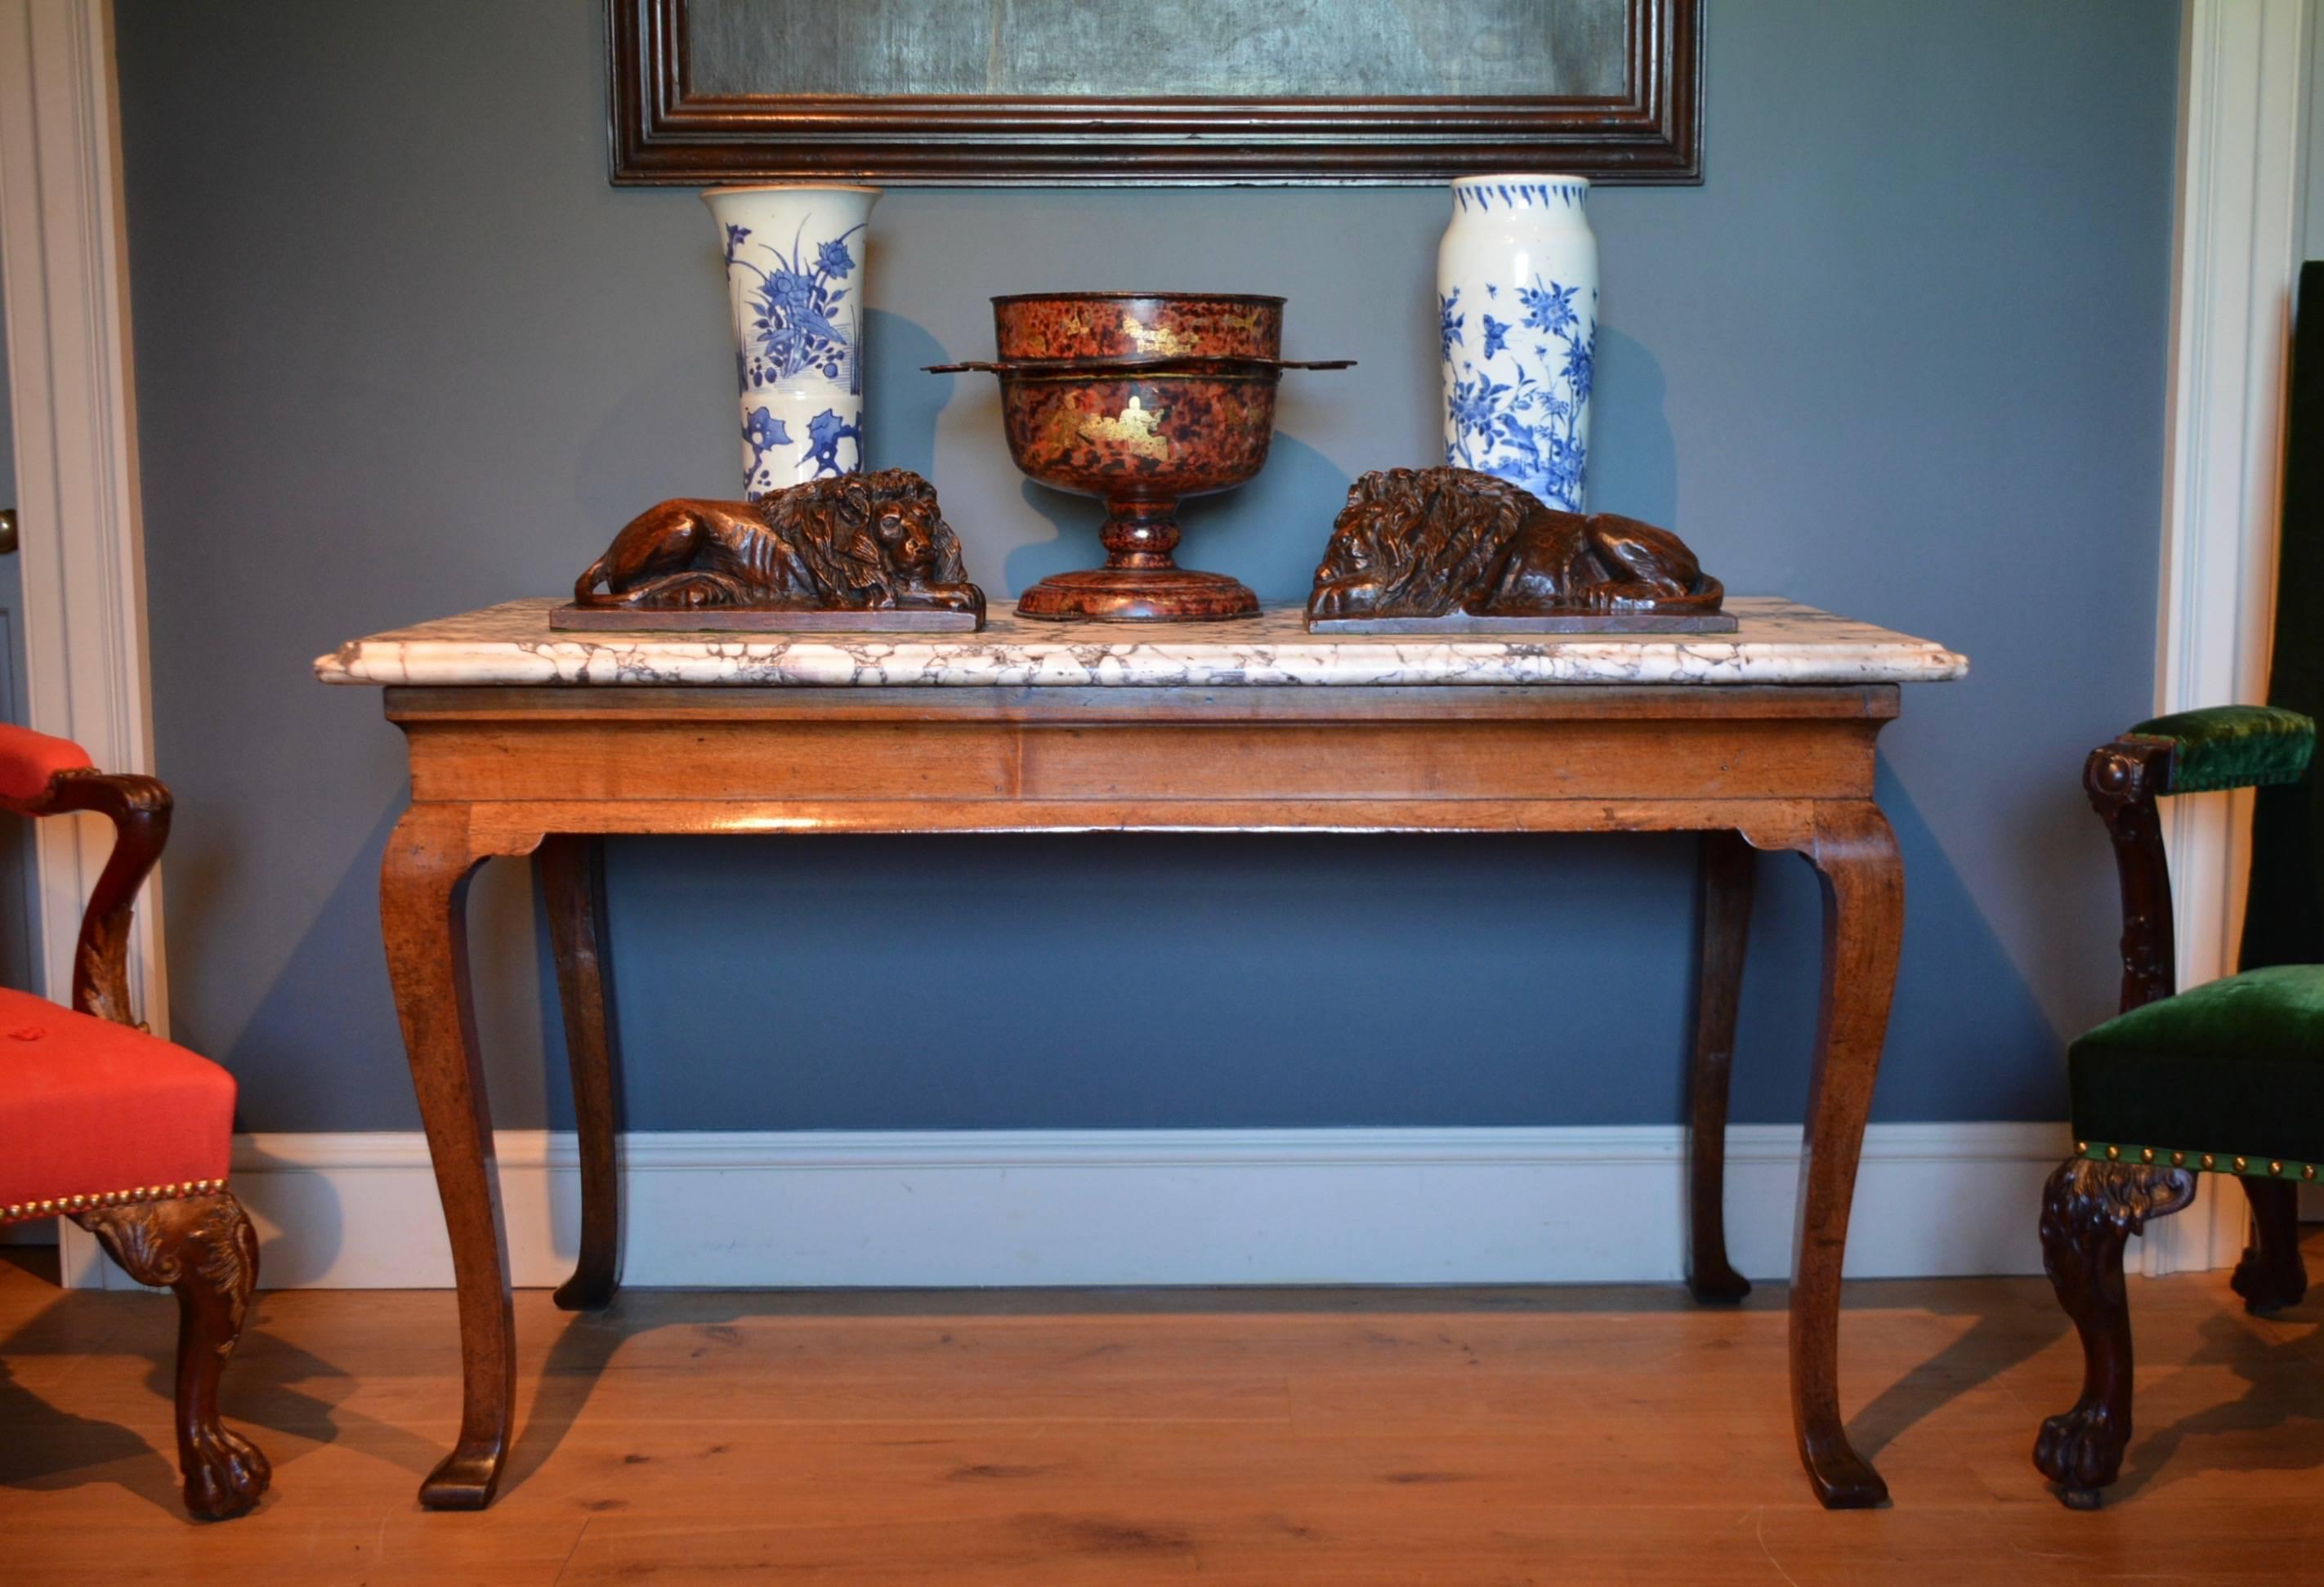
x=1450 y=550
x=861 y=552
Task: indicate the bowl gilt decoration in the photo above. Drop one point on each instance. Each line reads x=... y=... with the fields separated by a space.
x=1139 y=399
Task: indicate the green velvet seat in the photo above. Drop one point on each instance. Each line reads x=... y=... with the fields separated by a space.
x=2227 y=1076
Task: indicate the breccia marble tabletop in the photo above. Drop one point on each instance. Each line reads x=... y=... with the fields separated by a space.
x=1776 y=641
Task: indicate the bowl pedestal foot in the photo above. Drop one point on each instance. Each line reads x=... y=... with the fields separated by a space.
x=1139 y=582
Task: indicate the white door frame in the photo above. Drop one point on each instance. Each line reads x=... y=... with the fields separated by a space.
x=63 y=248
x=2242 y=71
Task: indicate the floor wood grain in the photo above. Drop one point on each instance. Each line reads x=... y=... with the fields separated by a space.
x=1360 y=1438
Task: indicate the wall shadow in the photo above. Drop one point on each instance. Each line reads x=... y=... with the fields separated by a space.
x=332 y=998
x=1966 y=1038
x=1269 y=533
x=1633 y=455
x=1075 y=520
x=902 y=403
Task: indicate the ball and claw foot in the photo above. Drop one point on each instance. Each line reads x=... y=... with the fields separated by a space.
x=225 y=1475
x=2081 y=1451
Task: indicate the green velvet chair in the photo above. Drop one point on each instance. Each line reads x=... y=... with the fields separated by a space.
x=2228 y=1078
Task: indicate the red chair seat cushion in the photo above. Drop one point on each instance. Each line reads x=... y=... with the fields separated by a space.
x=28 y=760
x=91 y=1108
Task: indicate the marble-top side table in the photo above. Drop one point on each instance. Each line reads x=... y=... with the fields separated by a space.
x=527 y=741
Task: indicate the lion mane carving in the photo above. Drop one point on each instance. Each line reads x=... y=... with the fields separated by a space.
x=1431 y=542
x=861 y=542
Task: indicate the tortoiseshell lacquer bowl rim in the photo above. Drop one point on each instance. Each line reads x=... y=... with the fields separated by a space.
x=1116 y=366
x=1162 y=296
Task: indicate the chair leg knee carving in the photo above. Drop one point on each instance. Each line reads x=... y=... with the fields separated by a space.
x=2089 y=1211
x=203 y=1248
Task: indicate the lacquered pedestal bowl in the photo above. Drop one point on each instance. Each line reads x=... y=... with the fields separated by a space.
x=1140 y=400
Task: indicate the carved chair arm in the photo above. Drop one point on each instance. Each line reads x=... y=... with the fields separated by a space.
x=2124 y=778
x=2190 y=752
x=2230 y=746
x=139 y=810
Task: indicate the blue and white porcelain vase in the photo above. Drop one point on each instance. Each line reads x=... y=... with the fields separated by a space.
x=795 y=273
x=1517 y=292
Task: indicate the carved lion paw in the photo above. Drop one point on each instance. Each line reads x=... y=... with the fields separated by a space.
x=2082 y=1451
x=225 y=1473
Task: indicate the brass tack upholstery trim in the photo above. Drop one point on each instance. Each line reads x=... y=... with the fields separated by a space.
x=2201 y=1162
x=63 y=1206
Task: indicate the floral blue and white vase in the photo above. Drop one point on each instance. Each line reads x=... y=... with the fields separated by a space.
x=795 y=273
x=1516 y=295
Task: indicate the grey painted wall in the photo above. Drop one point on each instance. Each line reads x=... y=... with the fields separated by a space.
x=2315 y=143
x=401 y=351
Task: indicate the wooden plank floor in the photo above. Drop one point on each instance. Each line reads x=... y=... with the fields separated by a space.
x=1376 y=1436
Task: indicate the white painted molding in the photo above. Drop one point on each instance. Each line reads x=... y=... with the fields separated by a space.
x=64 y=252
x=1170 y=1206
x=2237 y=249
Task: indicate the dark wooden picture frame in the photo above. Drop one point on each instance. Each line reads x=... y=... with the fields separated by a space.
x=663 y=131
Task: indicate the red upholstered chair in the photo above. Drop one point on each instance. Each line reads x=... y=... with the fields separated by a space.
x=125 y=1134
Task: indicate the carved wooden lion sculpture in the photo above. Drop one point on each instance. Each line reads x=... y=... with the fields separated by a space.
x=1428 y=542
x=860 y=542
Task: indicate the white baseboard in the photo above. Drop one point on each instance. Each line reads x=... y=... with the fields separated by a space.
x=1172 y=1206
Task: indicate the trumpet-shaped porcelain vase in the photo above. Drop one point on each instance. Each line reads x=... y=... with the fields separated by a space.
x=795 y=276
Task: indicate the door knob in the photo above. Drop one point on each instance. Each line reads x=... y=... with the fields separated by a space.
x=7 y=532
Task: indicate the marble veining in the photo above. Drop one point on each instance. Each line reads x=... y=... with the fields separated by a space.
x=1779 y=641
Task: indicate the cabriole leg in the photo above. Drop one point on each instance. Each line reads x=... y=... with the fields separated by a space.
x=573 y=879
x=1853 y=851
x=1727 y=880
x=423 y=915
x=2088 y=1211
x=203 y=1248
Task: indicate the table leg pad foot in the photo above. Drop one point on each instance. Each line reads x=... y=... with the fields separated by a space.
x=1846 y=1480
x=1725 y=1287
x=586 y=1292
x=465 y=1480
